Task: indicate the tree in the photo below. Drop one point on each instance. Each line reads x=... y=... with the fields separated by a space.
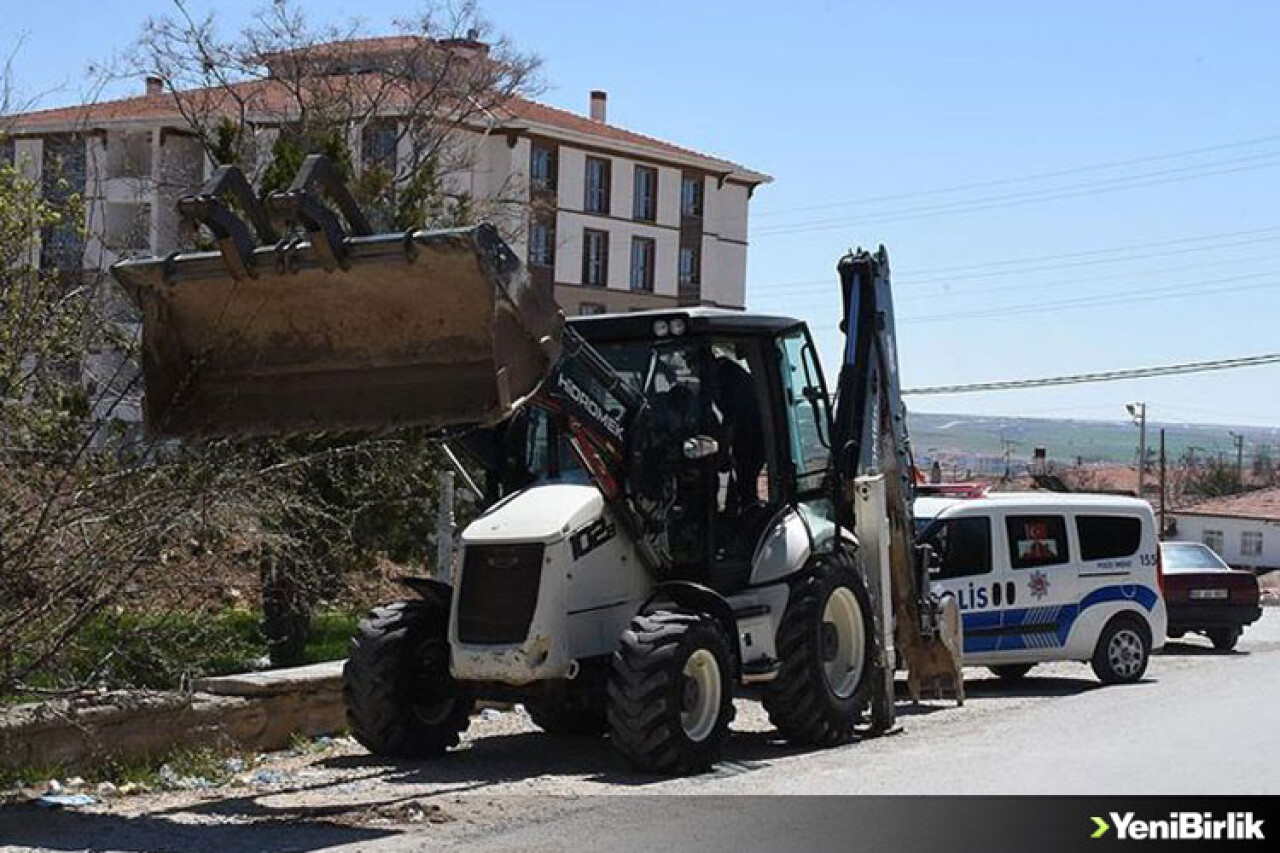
x=417 y=105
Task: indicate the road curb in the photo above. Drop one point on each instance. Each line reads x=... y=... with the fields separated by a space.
x=254 y=711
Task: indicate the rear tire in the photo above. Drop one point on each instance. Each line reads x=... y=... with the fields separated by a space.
x=577 y=710
x=401 y=700
x=1224 y=639
x=1123 y=651
x=1011 y=671
x=671 y=692
x=826 y=648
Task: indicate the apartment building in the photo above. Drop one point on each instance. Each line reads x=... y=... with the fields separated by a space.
x=615 y=220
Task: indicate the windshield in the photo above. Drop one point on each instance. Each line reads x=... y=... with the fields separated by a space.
x=537 y=451
x=1189 y=555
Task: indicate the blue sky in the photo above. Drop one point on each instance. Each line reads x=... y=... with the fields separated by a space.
x=1151 y=236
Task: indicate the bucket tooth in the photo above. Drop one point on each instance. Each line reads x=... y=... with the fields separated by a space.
x=235 y=240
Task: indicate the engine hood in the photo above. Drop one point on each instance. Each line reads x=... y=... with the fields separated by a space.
x=544 y=513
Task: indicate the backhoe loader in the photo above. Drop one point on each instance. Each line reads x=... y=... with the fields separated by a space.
x=672 y=514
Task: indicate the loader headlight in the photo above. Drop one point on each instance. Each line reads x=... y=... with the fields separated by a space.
x=661 y=328
x=678 y=326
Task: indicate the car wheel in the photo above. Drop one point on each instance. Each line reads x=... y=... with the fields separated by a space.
x=1123 y=651
x=1224 y=639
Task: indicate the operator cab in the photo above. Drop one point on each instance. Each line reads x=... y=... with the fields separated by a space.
x=737 y=430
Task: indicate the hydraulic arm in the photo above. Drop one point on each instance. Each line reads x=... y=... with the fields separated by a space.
x=870 y=437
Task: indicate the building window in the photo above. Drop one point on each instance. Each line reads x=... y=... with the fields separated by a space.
x=62 y=176
x=690 y=265
x=542 y=168
x=595 y=257
x=642 y=252
x=1250 y=543
x=1214 y=539
x=691 y=195
x=7 y=148
x=599 y=174
x=645 y=203
x=590 y=309
x=542 y=252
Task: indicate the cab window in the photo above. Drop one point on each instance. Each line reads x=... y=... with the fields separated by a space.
x=961 y=546
x=808 y=434
x=1106 y=537
x=1036 y=540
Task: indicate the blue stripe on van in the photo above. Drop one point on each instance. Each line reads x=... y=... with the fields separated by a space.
x=1042 y=627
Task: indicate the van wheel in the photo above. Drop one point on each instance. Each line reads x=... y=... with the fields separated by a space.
x=1123 y=651
x=401 y=700
x=671 y=692
x=1011 y=671
x=826 y=646
x=1224 y=639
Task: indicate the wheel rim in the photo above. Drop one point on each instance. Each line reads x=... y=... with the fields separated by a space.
x=843 y=642
x=1125 y=653
x=700 y=695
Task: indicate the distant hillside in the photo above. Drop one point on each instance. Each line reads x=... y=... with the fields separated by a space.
x=1064 y=440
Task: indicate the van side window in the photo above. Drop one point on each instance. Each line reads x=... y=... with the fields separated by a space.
x=962 y=546
x=1036 y=540
x=1103 y=537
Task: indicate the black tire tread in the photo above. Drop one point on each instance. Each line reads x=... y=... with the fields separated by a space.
x=644 y=688
x=798 y=700
x=374 y=683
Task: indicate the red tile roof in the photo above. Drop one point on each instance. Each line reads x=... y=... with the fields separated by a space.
x=265 y=95
x=1257 y=504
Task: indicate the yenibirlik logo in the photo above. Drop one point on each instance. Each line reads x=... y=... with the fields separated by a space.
x=1181 y=826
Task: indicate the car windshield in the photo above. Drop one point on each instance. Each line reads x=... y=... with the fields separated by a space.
x=1189 y=555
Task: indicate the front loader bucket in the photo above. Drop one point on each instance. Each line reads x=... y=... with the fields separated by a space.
x=436 y=329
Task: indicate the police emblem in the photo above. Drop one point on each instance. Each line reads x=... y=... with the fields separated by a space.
x=1039 y=584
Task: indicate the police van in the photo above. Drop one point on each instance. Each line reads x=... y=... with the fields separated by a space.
x=1049 y=577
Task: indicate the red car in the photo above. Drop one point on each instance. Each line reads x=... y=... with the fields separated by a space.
x=1206 y=596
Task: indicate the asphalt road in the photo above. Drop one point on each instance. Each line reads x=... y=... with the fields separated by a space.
x=1200 y=723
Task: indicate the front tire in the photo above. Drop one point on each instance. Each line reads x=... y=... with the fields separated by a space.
x=1123 y=651
x=826 y=647
x=671 y=692
x=401 y=700
x=1224 y=639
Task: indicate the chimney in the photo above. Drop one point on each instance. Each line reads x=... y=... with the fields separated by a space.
x=155 y=86
x=598 y=99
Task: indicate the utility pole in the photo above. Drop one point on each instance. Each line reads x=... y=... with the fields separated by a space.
x=1162 y=487
x=1138 y=411
x=1239 y=442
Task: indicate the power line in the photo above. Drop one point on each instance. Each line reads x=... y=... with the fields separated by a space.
x=1035 y=176
x=1104 y=376
x=987 y=269
x=1069 y=191
x=1174 y=291
x=1077 y=281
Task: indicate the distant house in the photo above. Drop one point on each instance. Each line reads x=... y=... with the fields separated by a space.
x=1244 y=529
